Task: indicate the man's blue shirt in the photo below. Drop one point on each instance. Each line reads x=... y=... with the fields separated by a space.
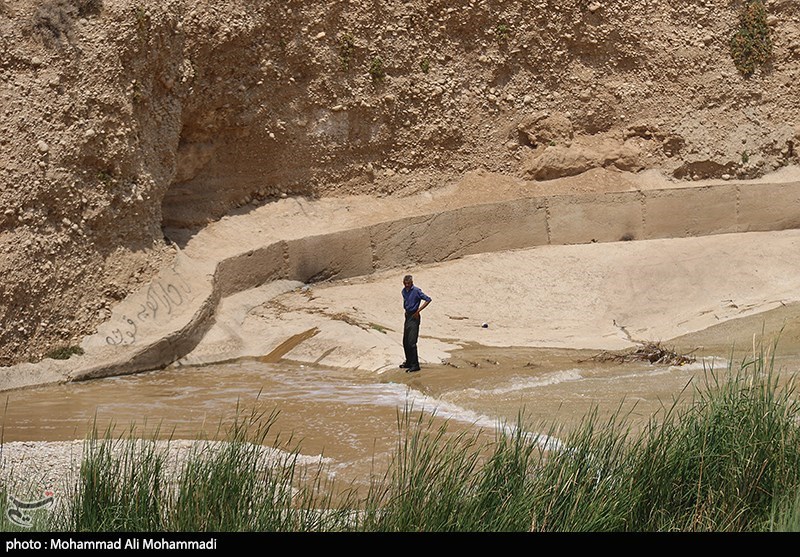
x=413 y=297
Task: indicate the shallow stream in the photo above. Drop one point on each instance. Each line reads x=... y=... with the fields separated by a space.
x=351 y=417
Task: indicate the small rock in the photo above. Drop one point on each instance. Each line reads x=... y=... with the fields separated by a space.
x=42 y=146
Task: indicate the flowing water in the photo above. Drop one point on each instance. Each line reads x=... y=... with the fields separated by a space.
x=350 y=417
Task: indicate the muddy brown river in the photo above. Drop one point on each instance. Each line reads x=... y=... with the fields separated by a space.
x=351 y=417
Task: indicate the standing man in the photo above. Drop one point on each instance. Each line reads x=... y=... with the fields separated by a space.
x=414 y=301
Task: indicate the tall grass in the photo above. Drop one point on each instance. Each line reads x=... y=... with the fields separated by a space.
x=721 y=464
x=581 y=487
x=120 y=485
x=786 y=514
x=241 y=485
x=723 y=456
x=426 y=480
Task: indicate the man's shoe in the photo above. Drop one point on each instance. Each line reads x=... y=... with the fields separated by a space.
x=413 y=369
x=404 y=365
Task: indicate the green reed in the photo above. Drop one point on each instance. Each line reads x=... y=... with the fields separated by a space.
x=120 y=485
x=242 y=484
x=426 y=480
x=719 y=463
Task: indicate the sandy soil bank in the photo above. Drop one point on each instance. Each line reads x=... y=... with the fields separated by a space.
x=701 y=294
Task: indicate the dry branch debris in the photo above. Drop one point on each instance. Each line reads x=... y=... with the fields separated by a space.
x=652 y=352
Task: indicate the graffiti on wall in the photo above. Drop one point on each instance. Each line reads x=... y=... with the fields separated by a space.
x=161 y=299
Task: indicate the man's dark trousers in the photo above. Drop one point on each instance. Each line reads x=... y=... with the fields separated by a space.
x=410 y=336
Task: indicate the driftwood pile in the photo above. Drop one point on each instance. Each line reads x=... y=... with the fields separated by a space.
x=652 y=352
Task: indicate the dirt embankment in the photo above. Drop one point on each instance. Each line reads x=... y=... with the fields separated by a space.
x=121 y=117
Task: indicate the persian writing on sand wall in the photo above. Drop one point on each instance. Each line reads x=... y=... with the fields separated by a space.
x=162 y=299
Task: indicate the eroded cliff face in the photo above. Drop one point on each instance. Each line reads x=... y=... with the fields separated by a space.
x=123 y=117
